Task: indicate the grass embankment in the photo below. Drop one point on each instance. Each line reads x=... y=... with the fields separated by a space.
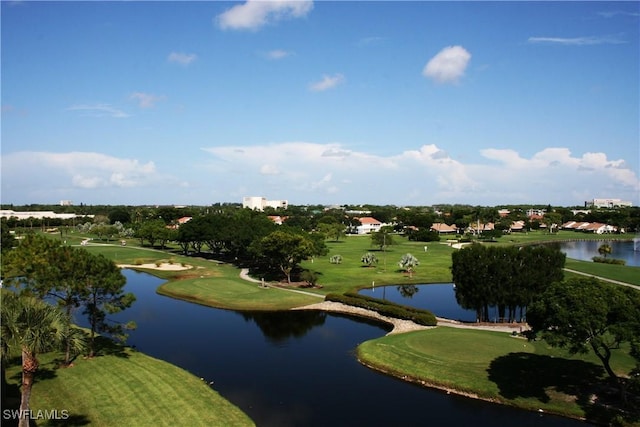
x=125 y=387
x=494 y=366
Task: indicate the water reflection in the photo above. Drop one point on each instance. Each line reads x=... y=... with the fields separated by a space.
x=278 y=327
x=298 y=368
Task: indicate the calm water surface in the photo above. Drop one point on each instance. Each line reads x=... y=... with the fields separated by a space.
x=297 y=368
x=586 y=250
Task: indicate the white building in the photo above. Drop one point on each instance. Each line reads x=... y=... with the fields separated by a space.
x=259 y=203
x=608 y=203
x=37 y=215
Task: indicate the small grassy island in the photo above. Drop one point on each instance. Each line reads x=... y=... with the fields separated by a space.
x=501 y=367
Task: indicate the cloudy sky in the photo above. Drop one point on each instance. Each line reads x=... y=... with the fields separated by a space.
x=406 y=103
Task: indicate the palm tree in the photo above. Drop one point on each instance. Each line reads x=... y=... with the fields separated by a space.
x=408 y=263
x=605 y=250
x=31 y=327
x=369 y=259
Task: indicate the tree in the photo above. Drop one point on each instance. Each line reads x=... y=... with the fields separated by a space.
x=103 y=294
x=73 y=277
x=119 y=214
x=151 y=231
x=6 y=240
x=505 y=277
x=408 y=263
x=31 y=327
x=369 y=259
x=553 y=221
x=583 y=313
x=285 y=249
x=382 y=238
x=331 y=230
x=605 y=250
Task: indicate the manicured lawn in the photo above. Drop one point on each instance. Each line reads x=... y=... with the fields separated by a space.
x=622 y=273
x=219 y=285
x=494 y=366
x=128 y=388
x=228 y=291
x=352 y=274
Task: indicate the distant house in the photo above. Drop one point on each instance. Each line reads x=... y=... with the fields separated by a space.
x=368 y=225
x=277 y=219
x=517 y=226
x=599 y=228
x=589 y=227
x=178 y=222
x=442 y=228
x=480 y=227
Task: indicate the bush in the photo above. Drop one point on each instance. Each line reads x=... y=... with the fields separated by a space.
x=609 y=260
x=385 y=308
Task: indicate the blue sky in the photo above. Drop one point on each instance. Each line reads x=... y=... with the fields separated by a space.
x=405 y=103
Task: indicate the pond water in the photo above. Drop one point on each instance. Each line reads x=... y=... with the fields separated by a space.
x=438 y=298
x=585 y=250
x=297 y=368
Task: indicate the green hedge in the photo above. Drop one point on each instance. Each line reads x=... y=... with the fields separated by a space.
x=609 y=260
x=385 y=308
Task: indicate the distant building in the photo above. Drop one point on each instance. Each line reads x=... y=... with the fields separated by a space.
x=38 y=215
x=368 y=225
x=66 y=202
x=607 y=203
x=259 y=203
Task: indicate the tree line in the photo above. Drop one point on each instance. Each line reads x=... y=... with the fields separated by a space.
x=506 y=277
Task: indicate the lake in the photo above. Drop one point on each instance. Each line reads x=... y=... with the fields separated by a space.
x=585 y=250
x=297 y=368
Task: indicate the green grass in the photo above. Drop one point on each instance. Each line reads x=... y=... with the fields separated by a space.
x=622 y=273
x=494 y=366
x=219 y=285
x=125 y=387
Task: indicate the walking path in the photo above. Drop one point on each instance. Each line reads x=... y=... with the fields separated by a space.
x=399 y=325
x=604 y=279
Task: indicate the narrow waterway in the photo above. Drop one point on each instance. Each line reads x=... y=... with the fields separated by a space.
x=297 y=368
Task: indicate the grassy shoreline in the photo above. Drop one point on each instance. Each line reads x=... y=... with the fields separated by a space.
x=122 y=386
x=219 y=285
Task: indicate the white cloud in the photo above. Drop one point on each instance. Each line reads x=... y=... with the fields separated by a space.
x=146 y=100
x=448 y=66
x=304 y=172
x=576 y=41
x=326 y=83
x=182 y=58
x=278 y=54
x=255 y=14
x=98 y=110
x=74 y=170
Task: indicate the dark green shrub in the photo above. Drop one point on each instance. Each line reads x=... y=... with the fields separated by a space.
x=609 y=260
x=385 y=308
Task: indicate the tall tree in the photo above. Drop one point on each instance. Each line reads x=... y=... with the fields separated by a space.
x=73 y=277
x=605 y=250
x=103 y=294
x=31 y=327
x=583 y=313
x=382 y=238
x=285 y=249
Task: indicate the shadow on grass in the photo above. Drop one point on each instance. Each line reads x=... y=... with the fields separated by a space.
x=107 y=347
x=68 y=420
x=529 y=375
